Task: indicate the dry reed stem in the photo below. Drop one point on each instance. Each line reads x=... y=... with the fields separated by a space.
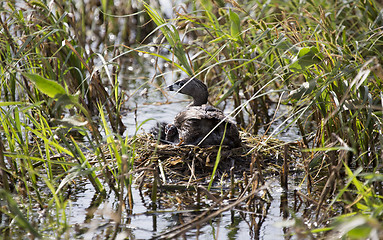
x=3 y=173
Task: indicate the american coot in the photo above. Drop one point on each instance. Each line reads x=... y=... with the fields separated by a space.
x=200 y=124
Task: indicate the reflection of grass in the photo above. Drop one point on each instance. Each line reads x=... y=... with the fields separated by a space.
x=321 y=58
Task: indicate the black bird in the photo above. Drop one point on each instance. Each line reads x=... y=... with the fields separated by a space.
x=201 y=124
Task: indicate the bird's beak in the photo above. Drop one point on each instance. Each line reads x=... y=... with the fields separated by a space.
x=173 y=88
x=170 y=88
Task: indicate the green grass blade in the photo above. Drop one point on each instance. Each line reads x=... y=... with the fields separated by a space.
x=46 y=86
x=17 y=215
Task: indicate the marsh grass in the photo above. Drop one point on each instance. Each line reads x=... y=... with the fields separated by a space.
x=322 y=59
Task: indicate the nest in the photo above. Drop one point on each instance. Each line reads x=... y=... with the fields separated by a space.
x=179 y=162
x=183 y=175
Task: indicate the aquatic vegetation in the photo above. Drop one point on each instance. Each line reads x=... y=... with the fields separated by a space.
x=62 y=103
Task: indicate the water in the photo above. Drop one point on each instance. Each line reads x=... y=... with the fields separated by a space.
x=161 y=112
x=144 y=223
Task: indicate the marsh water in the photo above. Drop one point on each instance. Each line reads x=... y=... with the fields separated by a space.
x=144 y=223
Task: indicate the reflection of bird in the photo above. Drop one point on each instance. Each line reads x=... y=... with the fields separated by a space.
x=202 y=124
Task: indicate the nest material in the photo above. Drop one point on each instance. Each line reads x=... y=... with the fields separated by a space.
x=184 y=160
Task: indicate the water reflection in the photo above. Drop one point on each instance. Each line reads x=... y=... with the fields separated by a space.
x=255 y=220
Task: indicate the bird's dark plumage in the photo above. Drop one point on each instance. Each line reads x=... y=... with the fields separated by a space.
x=202 y=124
